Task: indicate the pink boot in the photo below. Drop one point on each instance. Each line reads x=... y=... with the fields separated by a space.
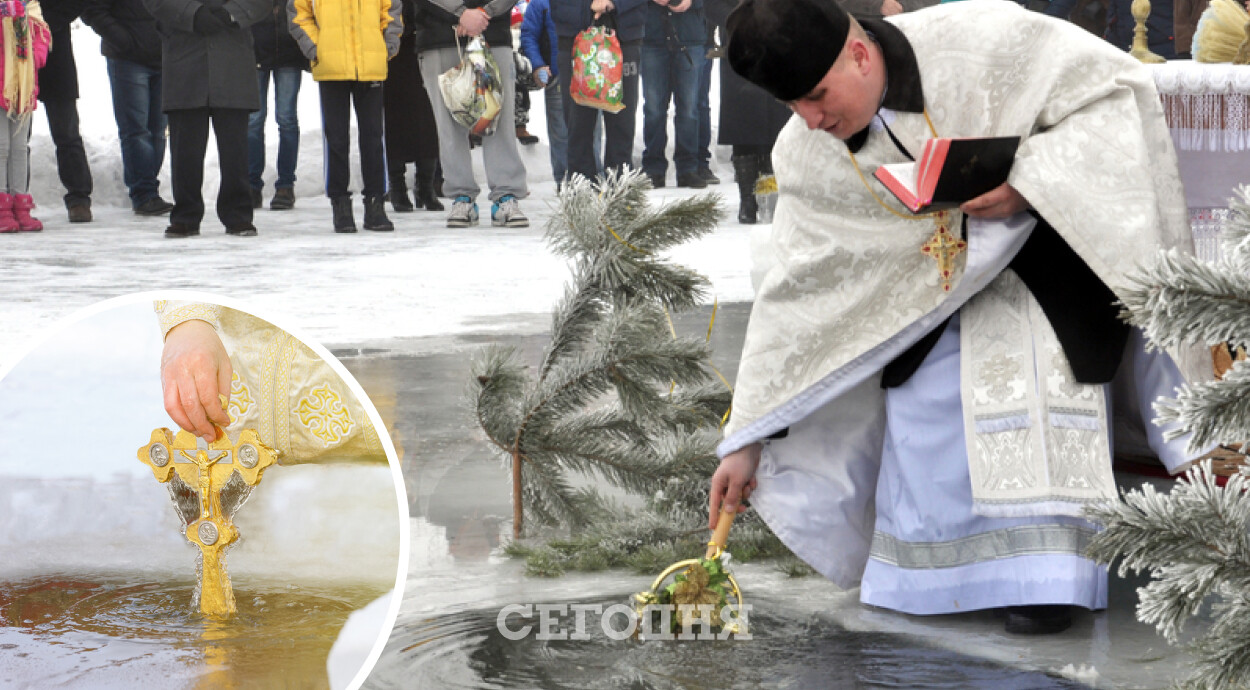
x=22 y=204
x=8 y=223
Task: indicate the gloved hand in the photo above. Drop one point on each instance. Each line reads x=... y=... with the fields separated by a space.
x=205 y=23
x=12 y=8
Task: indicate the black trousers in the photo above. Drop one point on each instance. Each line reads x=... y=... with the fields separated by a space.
x=188 y=140
x=71 y=158
x=337 y=101
x=618 y=128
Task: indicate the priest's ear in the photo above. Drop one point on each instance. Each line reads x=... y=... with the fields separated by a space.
x=858 y=53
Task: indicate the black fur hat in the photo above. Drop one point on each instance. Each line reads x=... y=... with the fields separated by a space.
x=786 y=46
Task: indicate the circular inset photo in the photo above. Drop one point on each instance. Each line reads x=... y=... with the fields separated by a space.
x=192 y=496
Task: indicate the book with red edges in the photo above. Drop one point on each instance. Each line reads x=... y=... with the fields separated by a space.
x=950 y=172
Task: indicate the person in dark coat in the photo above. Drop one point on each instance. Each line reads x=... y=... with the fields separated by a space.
x=209 y=75
x=58 y=82
x=278 y=60
x=59 y=92
x=571 y=18
x=750 y=120
x=134 y=67
x=411 y=135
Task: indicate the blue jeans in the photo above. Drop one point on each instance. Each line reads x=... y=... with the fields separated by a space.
x=286 y=81
x=670 y=75
x=704 y=153
x=140 y=126
x=558 y=134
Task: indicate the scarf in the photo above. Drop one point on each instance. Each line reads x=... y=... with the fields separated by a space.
x=20 y=83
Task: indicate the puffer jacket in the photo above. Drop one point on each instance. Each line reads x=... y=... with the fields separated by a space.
x=345 y=40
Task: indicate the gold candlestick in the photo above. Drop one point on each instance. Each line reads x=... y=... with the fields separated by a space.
x=1140 y=49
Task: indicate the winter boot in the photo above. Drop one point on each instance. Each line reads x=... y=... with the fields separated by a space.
x=22 y=204
x=746 y=172
x=8 y=223
x=343 y=220
x=375 y=215
x=283 y=199
x=398 y=193
x=426 y=195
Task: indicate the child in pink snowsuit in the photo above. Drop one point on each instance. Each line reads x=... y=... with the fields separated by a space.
x=24 y=43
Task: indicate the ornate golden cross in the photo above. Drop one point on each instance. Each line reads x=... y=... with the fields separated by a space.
x=943 y=248
x=206 y=468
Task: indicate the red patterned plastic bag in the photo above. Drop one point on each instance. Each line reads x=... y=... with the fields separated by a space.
x=597 y=70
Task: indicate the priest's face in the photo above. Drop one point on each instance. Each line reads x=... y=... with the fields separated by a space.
x=845 y=101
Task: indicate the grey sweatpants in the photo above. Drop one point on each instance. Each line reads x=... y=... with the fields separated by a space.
x=14 y=155
x=505 y=173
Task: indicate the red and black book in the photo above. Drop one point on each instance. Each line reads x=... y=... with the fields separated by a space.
x=950 y=172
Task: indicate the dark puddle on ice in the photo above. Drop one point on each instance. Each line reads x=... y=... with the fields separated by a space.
x=96 y=631
x=466 y=650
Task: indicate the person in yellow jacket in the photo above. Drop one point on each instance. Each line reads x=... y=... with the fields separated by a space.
x=349 y=44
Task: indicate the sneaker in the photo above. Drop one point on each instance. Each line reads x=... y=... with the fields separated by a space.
x=657 y=181
x=283 y=199
x=507 y=213
x=463 y=213
x=691 y=180
x=709 y=176
x=241 y=230
x=155 y=206
x=79 y=212
x=258 y=199
x=181 y=230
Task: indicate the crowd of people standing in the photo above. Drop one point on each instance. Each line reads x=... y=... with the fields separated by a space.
x=383 y=58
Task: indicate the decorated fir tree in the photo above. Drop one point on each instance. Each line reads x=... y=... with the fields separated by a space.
x=617 y=394
x=1195 y=540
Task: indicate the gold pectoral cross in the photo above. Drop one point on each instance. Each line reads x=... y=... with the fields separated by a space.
x=943 y=247
x=206 y=468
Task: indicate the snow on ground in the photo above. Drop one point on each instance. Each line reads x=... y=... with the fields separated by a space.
x=423 y=279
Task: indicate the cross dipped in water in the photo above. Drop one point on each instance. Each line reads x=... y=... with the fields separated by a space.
x=207 y=468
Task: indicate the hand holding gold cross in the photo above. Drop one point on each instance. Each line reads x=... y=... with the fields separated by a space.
x=206 y=469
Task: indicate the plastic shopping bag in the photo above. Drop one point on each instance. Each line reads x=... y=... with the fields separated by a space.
x=473 y=90
x=597 y=70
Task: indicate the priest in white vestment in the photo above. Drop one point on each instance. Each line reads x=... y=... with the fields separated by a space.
x=932 y=431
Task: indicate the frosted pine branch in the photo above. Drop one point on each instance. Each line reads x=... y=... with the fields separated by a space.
x=1215 y=411
x=1184 y=300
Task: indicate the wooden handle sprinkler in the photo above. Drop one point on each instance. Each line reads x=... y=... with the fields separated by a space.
x=716 y=559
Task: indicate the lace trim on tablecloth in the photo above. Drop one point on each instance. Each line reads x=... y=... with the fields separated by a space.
x=1207 y=106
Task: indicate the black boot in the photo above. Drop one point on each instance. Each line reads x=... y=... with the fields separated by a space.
x=399 y=192
x=375 y=215
x=425 y=184
x=1044 y=619
x=343 y=220
x=746 y=172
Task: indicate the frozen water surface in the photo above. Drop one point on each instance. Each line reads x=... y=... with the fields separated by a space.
x=807 y=633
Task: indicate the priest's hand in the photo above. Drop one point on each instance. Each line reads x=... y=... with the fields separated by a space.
x=1002 y=201
x=195 y=369
x=734 y=481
